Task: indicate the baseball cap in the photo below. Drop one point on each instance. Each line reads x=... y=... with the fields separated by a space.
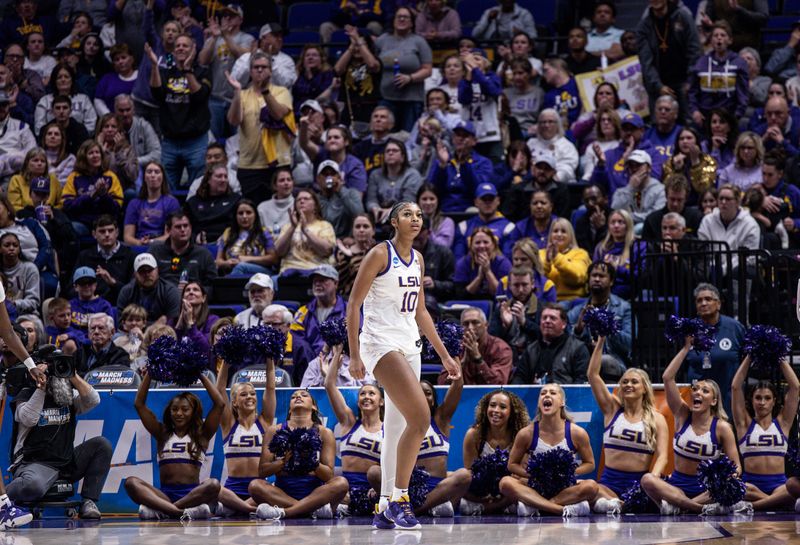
x=313 y=104
x=633 y=119
x=83 y=272
x=144 y=260
x=270 y=28
x=640 y=156
x=328 y=163
x=545 y=156
x=259 y=279
x=465 y=126
x=326 y=271
x=41 y=184
x=485 y=189
x=232 y=9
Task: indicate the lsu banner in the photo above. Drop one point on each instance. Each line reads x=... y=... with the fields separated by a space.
x=134 y=451
x=626 y=76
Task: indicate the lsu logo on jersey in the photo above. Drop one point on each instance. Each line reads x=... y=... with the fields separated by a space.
x=408 y=282
x=700 y=449
x=630 y=436
x=246 y=441
x=365 y=443
x=766 y=441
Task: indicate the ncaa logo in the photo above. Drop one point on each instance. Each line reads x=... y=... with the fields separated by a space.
x=725 y=344
x=395 y=261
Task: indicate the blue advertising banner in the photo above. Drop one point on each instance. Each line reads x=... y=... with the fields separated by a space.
x=135 y=451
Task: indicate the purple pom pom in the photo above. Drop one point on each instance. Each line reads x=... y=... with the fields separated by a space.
x=677 y=329
x=487 y=472
x=767 y=347
x=175 y=362
x=162 y=358
x=452 y=336
x=418 y=486
x=362 y=502
x=266 y=342
x=601 y=322
x=233 y=347
x=635 y=500
x=552 y=471
x=719 y=478
x=334 y=332
x=305 y=446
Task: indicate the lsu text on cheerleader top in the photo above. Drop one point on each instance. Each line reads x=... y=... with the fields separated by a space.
x=538 y=446
x=244 y=442
x=435 y=443
x=176 y=451
x=620 y=434
x=360 y=443
x=390 y=306
x=697 y=448
x=764 y=442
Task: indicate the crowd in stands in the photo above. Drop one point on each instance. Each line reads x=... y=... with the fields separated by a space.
x=150 y=147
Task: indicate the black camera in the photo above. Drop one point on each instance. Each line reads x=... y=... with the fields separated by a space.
x=59 y=365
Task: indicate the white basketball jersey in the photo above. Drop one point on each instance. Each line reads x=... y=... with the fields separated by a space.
x=391 y=305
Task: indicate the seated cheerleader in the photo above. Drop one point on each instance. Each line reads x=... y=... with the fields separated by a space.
x=552 y=427
x=442 y=490
x=316 y=493
x=182 y=439
x=763 y=443
x=358 y=438
x=635 y=435
x=703 y=434
x=499 y=417
x=243 y=429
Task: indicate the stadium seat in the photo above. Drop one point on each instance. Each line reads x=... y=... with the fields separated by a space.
x=454 y=308
x=291 y=305
x=470 y=11
x=296 y=40
x=543 y=11
x=304 y=15
x=225 y=310
x=113 y=377
x=229 y=290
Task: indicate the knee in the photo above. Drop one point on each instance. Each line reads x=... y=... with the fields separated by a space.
x=257 y=486
x=648 y=482
x=339 y=485
x=463 y=477
x=131 y=484
x=27 y=490
x=507 y=486
x=101 y=446
x=793 y=486
x=589 y=488
x=212 y=485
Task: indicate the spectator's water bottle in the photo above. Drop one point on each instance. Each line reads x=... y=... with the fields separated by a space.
x=396 y=67
x=184 y=277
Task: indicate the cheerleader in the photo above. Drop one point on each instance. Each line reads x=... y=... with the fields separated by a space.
x=441 y=490
x=762 y=441
x=499 y=417
x=182 y=438
x=358 y=437
x=389 y=286
x=317 y=493
x=703 y=434
x=243 y=428
x=552 y=427
x=635 y=435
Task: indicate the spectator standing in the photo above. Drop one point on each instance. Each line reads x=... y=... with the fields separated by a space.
x=118 y=82
x=499 y=23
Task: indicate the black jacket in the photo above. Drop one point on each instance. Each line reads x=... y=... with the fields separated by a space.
x=114 y=355
x=196 y=260
x=564 y=362
x=119 y=266
x=163 y=300
x=439 y=265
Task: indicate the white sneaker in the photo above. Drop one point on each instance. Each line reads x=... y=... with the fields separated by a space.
x=525 y=510
x=470 y=508
x=606 y=506
x=443 y=510
x=797 y=505
x=742 y=508
x=323 y=512
x=667 y=509
x=266 y=511
x=511 y=509
x=201 y=512
x=342 y=510
x=713 y=509
x=147 y=513
x=581 y=509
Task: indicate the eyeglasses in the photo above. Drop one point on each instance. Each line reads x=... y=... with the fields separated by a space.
x=402 y=17
x=260 y=67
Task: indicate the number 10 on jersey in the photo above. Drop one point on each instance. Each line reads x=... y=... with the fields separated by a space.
x=409 y=301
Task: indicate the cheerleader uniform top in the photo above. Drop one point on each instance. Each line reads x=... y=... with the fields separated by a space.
x=538 y=446
x=244 y=442
x=434 y=444
x=360 y=443
x=620 y=434
x=176 y=451
x=764 y=442
x=697 y=448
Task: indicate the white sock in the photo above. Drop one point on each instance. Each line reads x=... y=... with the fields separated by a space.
x=383 y=503
x=398 y=493
x=5 y=501
x=393 y=426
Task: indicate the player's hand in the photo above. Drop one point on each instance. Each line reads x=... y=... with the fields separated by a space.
x=451 y=365
x=357 y=369
x=39 y=377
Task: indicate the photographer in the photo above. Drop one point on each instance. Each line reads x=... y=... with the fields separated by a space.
x=340 y=204
x=44 y=435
